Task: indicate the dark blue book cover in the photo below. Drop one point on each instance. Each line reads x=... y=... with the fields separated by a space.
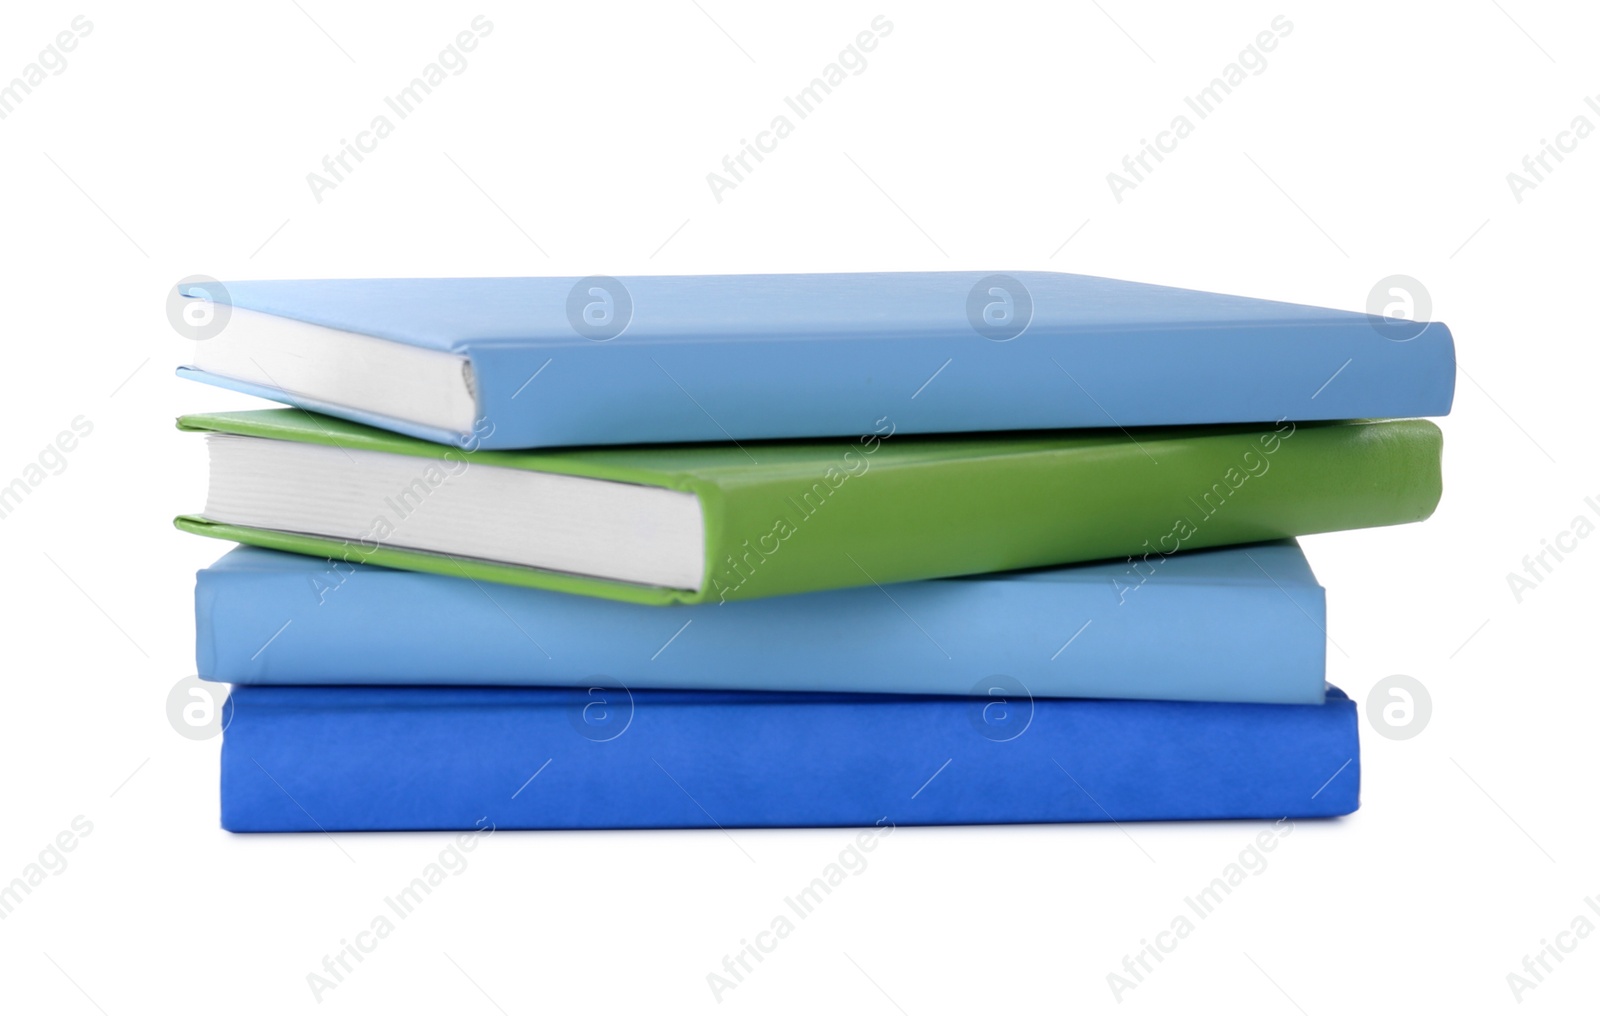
x=333 y=758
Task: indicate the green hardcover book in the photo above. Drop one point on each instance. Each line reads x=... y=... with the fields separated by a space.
x=699 y=523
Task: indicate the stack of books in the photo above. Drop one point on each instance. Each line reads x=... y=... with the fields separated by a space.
x=803 y=550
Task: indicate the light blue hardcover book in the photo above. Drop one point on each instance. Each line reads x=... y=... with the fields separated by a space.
x=1240 y=624
x=546 y=362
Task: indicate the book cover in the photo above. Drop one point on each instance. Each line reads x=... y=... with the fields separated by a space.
x=305 y=759
x=790 y=517
x=1237 y=624
x=547 y=362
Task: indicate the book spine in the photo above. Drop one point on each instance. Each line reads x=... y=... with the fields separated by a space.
x=1110 y=632
x=531 y=759
x=875 y=522
x=637 y=389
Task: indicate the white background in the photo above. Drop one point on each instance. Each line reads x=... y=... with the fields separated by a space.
x=1376 y=141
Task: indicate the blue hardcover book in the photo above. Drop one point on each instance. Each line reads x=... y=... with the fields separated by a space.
x=1240 y=624
x=306 y=759
x=542 y=362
